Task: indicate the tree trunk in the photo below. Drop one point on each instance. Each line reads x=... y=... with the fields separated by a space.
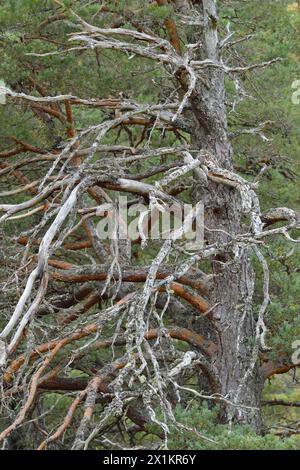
x=234 y=277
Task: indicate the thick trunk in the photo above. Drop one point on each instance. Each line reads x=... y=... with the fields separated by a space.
x=233 y=286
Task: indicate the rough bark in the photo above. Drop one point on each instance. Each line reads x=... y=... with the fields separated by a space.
x=233 y=286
